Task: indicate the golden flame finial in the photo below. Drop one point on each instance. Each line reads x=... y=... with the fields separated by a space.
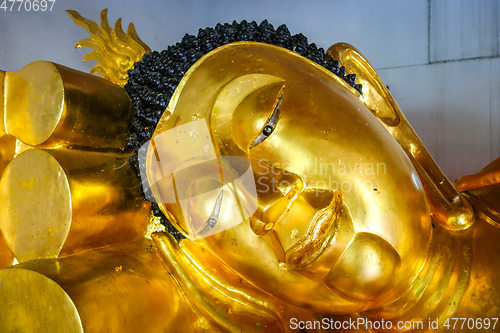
x=114 y=50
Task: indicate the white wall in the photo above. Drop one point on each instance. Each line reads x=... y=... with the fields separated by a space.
x=438 y=57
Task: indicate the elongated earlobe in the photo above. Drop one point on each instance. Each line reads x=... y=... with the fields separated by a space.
x=448 y=206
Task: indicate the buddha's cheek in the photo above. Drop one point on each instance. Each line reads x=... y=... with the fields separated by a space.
x=366 y=270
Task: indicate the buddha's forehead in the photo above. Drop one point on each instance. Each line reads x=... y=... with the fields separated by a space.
x=198 y=91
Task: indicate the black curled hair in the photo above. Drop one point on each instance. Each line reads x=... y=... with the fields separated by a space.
x=154 y=79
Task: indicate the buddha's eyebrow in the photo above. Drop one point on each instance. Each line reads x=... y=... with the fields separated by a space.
x=271 y=122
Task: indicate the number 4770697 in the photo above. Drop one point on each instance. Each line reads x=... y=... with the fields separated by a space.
x=27 y=5
x=471 y=323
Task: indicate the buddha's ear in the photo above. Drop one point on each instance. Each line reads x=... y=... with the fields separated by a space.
x=375 y=96
x=449 y=207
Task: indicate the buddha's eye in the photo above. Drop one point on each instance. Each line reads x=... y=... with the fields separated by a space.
x=267 y=130
x=214 y=217
x=271 y=121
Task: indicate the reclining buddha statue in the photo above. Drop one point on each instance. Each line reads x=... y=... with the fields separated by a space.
x=286 y=192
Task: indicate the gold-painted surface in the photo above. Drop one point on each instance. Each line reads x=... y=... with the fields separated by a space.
x=6 y=256
x=321 y=123
x=52 y=105
x=488 y=176
x=375 y=96
x=482 y=299
x=21 y=147
x=139 y=297
x=32 y=302
x=472 y=182
x=8 y=145
x=224 y=299
x=114 y=50
x=483 y=192
x=403 y=248
x=449 y=207
x=7 y=152
x=35 y=209
x=440 y=286
x=7 y=142
x=387 y=255
x=154 y=226
x=64 y=201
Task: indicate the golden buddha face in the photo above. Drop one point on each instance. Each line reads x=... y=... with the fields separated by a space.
x=342 y=223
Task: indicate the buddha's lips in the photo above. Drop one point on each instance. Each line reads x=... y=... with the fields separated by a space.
x=318 y=236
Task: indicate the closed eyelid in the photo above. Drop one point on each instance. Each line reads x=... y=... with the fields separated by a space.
x=271 y=121
x=273 y=118
x=214 y=217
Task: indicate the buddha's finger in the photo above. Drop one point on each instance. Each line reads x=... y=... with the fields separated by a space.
x=124 y=288
x=51 y=105
x=63 y=201
x=7 y=151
